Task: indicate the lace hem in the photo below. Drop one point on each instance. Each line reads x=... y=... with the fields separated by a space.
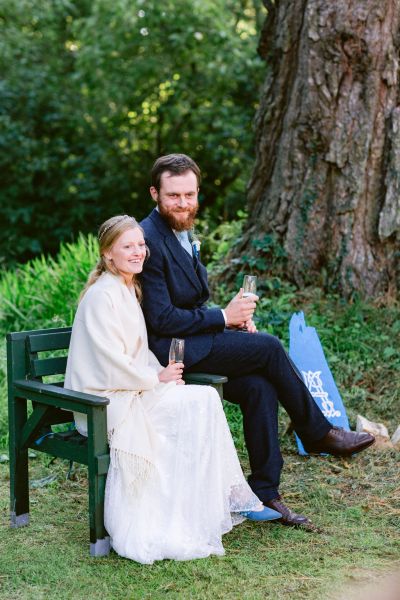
x=135 y=470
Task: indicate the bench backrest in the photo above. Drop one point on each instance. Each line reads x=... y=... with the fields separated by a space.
x=24 y=349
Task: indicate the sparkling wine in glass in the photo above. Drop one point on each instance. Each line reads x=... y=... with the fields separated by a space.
x=249 y=289
x=249 y=285
x=176 y=351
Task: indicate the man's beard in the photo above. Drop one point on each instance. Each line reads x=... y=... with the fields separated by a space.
x=178 y=224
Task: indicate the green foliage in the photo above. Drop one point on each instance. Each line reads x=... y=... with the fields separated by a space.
x=277 y=296
x=92 y=92
x=268 y=253
x=268 y=256
x=217 y=241
x=44 y=291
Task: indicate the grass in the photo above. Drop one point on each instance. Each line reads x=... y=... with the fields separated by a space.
x=356 y=503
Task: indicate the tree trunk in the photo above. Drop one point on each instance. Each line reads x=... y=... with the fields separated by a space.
x=327 y=172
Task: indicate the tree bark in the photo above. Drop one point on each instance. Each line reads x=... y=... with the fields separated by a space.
x=327 y=173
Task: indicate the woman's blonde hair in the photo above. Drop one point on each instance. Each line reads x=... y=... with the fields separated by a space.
x=108 y=234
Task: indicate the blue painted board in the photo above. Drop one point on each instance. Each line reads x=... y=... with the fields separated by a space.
x=306 y=352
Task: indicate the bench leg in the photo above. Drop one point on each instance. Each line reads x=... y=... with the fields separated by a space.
x=97 y=446
x=19 y=476
x=100 y=547
x=18 y=520
x=99 y=540
x=19 y=490
x=219 y=388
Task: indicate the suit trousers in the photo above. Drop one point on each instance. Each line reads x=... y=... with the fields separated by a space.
x=261 y=374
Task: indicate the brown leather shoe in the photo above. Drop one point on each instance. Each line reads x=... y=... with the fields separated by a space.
x=340 y=442
x=288 y=517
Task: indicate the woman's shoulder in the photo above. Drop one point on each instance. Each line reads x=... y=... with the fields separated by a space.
x=112 y=287
x=106 y=289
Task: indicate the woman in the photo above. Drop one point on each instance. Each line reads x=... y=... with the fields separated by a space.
x=174 y=485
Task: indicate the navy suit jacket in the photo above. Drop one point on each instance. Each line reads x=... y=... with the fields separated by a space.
x=175 y=291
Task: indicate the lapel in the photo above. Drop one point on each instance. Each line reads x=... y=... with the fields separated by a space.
x=187 y=264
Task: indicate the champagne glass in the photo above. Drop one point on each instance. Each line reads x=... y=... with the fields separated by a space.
x=249 y=286
x=176 y=351
x=249 y=289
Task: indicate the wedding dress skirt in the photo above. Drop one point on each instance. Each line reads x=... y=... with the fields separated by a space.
x=196 y=490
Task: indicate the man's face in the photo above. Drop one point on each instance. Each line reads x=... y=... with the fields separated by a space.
x=177 y=199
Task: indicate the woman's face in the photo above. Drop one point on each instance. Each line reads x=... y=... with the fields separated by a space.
x=128 y=253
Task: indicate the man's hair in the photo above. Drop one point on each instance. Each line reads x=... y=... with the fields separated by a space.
x=176 y=164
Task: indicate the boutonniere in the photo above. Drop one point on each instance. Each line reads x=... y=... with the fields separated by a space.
x=196 y=243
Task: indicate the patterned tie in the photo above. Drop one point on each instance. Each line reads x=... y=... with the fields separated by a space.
x=184 y=241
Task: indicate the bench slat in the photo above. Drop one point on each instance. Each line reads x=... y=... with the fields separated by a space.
x=63 y=449
x=49 y=341
x=48 y=366
x=18 y=336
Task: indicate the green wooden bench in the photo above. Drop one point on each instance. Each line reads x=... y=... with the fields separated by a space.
x=52 y=404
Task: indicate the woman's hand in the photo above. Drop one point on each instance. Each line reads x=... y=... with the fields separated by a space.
x=172 y=373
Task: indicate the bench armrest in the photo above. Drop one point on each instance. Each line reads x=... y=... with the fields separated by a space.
x=46 y=393
x=204 y=378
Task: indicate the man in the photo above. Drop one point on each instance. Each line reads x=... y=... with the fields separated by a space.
x=260 y=372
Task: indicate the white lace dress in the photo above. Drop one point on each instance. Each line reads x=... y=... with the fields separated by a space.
x=175 y=485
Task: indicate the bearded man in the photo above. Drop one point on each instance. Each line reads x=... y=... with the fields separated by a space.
x=260 y=373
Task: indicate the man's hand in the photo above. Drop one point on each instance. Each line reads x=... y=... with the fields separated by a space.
x=240 y=309
x=250 y=326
